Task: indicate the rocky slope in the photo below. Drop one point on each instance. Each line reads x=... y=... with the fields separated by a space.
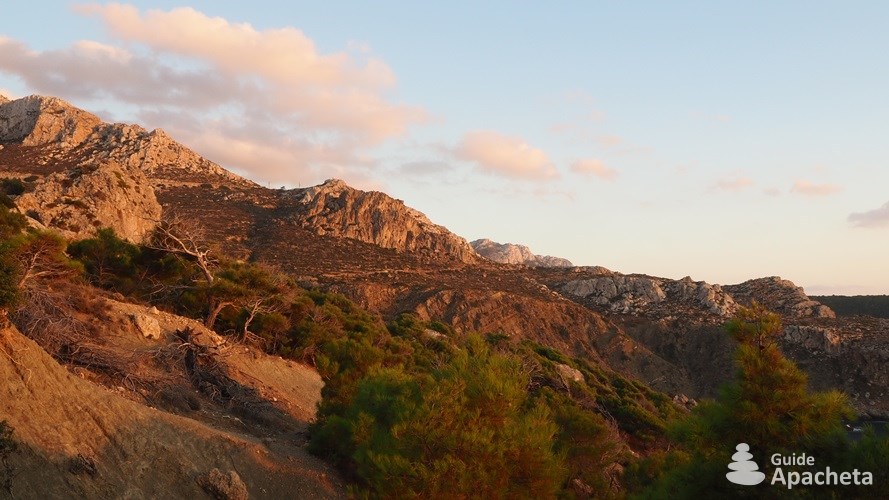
x=333 y=208
x=79 y=439
x=510 y=253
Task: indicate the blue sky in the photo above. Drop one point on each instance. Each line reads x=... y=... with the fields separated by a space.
x=724 y=142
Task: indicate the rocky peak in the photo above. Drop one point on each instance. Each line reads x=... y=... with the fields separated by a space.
x=82 y=138
x=3 y=99
x=37 y=120
x=510 y=253
x=337 y=209
x=781 y=296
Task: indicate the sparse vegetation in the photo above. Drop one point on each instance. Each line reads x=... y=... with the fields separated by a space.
x=8 y=446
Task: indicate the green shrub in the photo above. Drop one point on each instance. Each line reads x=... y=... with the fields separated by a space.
x=465 y=429
x=12 y=187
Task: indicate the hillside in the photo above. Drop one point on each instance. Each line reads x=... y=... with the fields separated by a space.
x=320 y=293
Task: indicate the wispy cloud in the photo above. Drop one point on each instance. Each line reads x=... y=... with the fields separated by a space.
x=504 y=155
x=266 y=102
x=738 y=183
x=878 y=217
x=807 y=188
x=420 y=168
x=594 y=168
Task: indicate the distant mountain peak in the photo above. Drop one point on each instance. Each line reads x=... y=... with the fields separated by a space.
x=511 y=253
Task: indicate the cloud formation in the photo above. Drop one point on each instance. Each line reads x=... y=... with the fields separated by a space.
x=266 y=102
x=594 y=168
x=505 y=156
x=807 y=188
x=878 y=217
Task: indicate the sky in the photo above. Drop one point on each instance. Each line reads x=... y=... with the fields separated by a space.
x=722 y=141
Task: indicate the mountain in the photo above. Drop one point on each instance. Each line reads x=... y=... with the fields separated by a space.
x=69 y=171
x=510 y=253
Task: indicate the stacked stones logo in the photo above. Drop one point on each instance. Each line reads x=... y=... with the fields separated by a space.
x=744 y=469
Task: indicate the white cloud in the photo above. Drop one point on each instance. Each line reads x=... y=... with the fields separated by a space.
x=878 y=217
x=593 y=167
x=265 y=102
x=807 y=188
x=504 y=155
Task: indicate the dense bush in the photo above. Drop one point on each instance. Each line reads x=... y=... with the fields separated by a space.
x=467 y=428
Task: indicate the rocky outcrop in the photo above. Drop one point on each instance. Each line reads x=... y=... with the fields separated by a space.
x=646 y=295
x=813 y=338
x=78 y=202
x=37 y=121
x=222 y=486
x=781 y=296
x=510 y=253
x=333 y=208
x=157 y=155
x=711 y=297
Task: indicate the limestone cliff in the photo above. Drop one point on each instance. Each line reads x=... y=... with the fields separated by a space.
x=37 y=120
x=333 y=208
x=510 y=253
x=79 y=201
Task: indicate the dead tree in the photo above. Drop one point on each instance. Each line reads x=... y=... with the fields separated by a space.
x=177 y=235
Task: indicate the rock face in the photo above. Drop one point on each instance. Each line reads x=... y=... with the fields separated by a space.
x=38 y=120
x=510 y=253
x=79 y=201
x=781 y=296
x=334 y=208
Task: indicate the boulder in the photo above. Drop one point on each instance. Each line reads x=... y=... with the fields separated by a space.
x=147 y=326
x=222 y=486
x=569 y=373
